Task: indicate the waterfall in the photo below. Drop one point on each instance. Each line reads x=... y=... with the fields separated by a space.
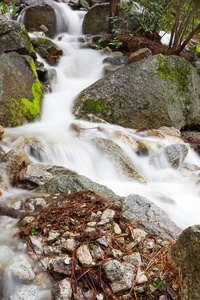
x=77 y=69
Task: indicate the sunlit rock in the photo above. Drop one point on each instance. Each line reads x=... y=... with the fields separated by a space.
x=83 y=255
x=126 y=139
x=139 y=55
x=32 y=146
x=170 y=131
x=147 y=147
x=1 y=131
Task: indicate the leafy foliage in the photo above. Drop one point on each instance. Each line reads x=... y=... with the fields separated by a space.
x=180 y=17
x=115 y=41
x=5 y=10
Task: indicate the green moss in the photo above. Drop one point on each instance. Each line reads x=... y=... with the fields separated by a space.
x=29 y=108
x=178 y=75
x=175 y=74
x=145 y=105
x=13 y=121
x=32 y=51
x=9 y=108
x=43 y=41
x=95 y=106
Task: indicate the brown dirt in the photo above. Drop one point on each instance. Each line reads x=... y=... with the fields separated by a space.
x=134 y=43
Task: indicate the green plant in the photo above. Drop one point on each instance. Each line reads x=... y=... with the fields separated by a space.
x=198 y=48
x=14 y=10
x=33 y=231
x=157 y=285
x=4 y=9
x=99 y=47
x=121 y=23
x=115 y=41
x=93 y=246
x=155 y=15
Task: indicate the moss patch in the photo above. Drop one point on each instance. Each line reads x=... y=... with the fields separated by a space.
x=175 y=74
x=95 y=106
x=29 y=108
x=32 y=51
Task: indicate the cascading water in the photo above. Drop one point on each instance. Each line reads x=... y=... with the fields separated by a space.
x=78 y=69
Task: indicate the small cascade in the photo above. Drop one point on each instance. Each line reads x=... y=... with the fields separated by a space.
x=67 y=20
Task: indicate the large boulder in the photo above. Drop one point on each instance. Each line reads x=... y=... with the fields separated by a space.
x=14 y=37
x=20 y=90
x=159 y=91
x=186 y=256
x=96 y=19
x=47 y=13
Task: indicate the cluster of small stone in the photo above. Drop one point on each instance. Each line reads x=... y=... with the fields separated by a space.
x=103 y=257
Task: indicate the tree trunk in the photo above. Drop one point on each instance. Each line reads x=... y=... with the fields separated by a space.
x=112 y=13
x=195 y=30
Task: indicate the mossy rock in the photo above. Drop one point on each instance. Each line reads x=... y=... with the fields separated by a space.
x=21 y=92
x=47 y=49
x=158 y=91
x=14 y=37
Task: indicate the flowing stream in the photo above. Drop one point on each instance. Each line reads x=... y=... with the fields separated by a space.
x=78 y=68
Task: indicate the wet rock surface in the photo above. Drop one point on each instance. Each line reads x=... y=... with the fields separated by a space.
x=43 y=12
x=122 y=162
x=47 y=50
